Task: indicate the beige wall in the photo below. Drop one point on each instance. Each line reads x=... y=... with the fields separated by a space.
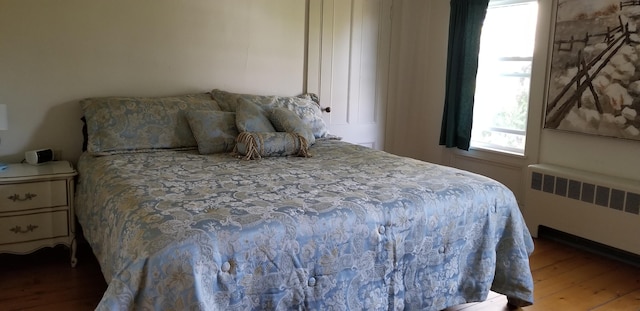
x=54 y=53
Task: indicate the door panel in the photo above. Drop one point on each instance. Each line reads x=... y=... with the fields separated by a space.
x=348 y=66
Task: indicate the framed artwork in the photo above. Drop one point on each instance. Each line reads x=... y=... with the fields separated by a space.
x=594 y=76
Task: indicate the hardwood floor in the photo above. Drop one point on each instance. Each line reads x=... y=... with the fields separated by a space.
x=565 y=279
x=45 y=280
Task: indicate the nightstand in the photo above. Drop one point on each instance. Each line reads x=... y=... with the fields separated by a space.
x=36 y=207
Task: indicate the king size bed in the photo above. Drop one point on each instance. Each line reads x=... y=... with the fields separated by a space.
x=343 y=228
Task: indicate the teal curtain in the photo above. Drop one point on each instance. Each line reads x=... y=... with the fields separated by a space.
x=465 y=27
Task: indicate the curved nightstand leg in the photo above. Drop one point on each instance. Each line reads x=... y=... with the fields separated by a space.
x=74 y=260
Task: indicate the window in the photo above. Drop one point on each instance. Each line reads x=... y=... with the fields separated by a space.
x=504 y=76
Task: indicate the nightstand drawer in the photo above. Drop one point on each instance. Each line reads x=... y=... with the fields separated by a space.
x=26 y=196
x=32 y=227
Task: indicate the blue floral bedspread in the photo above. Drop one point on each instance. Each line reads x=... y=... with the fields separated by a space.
x=348 y=229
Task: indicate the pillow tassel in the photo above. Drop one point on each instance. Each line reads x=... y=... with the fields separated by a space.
x=304 y=146
x=251 y=145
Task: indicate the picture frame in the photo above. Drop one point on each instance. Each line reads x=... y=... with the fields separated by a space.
x=594 y=73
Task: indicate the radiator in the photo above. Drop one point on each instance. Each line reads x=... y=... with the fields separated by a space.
x=597 y=207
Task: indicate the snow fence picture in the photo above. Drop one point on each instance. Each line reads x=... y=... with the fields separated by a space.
x=594 y=82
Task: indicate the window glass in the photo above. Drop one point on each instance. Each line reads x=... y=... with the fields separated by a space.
x=504 y=76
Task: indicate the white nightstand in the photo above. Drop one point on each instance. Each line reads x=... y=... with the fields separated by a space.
x=36 y=207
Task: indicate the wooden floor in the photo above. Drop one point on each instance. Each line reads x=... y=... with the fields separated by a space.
x=565 y=279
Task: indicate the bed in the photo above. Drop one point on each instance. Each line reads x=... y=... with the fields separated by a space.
x=343 y=228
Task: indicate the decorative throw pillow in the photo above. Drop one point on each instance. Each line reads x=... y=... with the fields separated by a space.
x=229 y=101
x=134 y=124
x=214 y=131
x=310 y=96
x=308 y=111
x=271 y=144
x=285 y=120
x=252 y=118
x=305 y=106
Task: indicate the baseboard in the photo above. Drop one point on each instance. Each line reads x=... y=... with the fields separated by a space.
x=589 y=246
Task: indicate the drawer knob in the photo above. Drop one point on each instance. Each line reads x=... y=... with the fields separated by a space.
x=27 y=196
x=18 y=229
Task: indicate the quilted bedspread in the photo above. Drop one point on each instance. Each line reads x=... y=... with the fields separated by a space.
x=348 y=229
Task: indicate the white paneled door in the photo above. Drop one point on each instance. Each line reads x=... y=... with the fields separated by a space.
x=348 y=65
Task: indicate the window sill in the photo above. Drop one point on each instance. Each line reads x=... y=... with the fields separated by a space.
x=496 y=151
x=493 y=155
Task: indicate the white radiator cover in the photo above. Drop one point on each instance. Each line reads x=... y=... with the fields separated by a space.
x=597 y=207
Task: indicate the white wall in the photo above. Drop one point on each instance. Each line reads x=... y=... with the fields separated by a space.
x=417 y=78
x=54 y=53
x=605 y=155
x=610 y=156
x=416 y=97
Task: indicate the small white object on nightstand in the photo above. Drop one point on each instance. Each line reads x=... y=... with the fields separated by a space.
x=36 y=207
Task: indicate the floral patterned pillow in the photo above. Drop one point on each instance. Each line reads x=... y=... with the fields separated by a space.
x=285 y=120
x=135 y=124
x=305 y=106
x=214 y=131
x=229 y=101
x=252 y=118
x=308 y=111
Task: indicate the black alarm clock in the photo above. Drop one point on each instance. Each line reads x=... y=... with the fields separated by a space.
x=40 y=156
